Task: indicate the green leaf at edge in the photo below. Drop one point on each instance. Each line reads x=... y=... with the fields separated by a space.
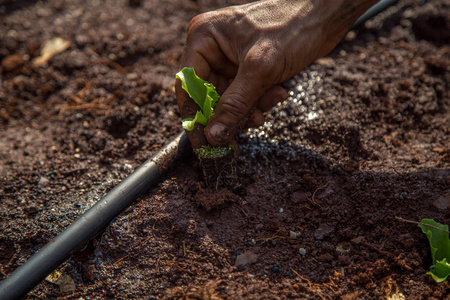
x=438 y=239
x=440 y=248
x=440 y=271
x=188 y=124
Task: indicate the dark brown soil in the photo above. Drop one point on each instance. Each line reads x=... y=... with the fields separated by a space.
x=364 y=139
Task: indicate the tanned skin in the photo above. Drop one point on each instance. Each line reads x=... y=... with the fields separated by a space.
x=247 y=50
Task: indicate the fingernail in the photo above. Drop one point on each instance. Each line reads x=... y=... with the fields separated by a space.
x=219 y=133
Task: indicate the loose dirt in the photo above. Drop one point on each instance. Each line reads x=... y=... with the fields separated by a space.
x=363 y=139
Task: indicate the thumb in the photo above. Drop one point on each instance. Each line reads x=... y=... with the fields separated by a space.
x=233 y=109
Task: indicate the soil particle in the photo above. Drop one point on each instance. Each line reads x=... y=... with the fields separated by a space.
x=246 y=258
x=12 y=62
x=443 y=202
x=323 y=231
x=326 y=257
x=210 y=198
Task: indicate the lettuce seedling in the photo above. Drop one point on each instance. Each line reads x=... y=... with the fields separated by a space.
x=218 y=163
x=437 y=235
x=202 y=92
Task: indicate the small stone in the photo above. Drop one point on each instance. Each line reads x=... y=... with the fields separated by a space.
x=442 y=202
x=325 y=61
x=12 y=62
x=43 y=182
x=350 y=36
x=66 y=284
x=132 y=76
x=31 y=210
x=127 y=167
x=358 y=240
x=302 y=251
x=246 y=258
x=294 y=235
x=343 y=247
x=324 y=230
x=281 y=210
x=276 y=270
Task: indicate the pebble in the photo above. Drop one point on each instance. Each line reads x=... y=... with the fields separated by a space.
x=442 y=202
x=132 y=76
x=302 y=251
x=12 y=62
x=324 y=230
x=246 y=258
x=294 y=235
x=43 y=182
x=275 y=269
x=358 y=240
x=343 y=247
x=127 y=167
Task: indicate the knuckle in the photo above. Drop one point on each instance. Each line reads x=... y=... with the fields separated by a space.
x=236 y=105
x=200 y=23
x=263 y=57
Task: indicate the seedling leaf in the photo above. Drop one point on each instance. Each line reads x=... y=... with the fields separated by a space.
x=189 y=123
x=202 y=92
x=440 y=248
x=440 y=271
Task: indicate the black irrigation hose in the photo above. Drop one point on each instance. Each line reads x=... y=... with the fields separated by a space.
x=26 y=277
x=373 y=11
x=93 y=221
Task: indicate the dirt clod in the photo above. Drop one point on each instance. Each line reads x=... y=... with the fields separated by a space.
x=210 y=198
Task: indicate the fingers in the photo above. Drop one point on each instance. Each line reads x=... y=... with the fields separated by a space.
x=203 y=54
x=233 y=109
x=256 y=119
x=268 y=100
x=272 y=97
x=232 y=114
x=197 y=136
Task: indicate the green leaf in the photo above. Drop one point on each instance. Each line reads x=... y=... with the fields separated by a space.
x=189 y=123
x=440 y=271
x=210 y=102
x=202 y=92
x=440 y=248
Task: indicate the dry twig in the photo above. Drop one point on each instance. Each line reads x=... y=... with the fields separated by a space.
x=419 y=223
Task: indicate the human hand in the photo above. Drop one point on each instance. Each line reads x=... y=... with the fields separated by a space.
x=245 y=51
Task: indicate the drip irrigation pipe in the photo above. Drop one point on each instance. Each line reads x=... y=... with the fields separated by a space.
x=92 y=222
x=373 y=11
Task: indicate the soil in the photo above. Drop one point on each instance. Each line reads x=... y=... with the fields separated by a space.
x=364 y=139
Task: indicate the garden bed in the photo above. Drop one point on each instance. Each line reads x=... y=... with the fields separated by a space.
x=363 y=139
